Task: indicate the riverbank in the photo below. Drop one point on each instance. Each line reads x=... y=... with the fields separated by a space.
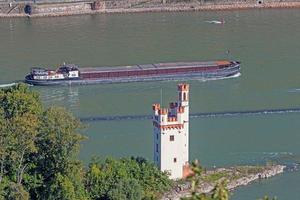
x=130 y=6
x=236 y=177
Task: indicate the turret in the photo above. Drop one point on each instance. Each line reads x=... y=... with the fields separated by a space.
x=183 y=94
x=156 y=108
x=171 y=135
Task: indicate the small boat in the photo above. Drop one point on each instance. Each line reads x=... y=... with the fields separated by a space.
x=68 y=74
x=216 y=22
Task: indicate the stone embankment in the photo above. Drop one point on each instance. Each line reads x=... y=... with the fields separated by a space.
x=38 y=8
x=236 y=176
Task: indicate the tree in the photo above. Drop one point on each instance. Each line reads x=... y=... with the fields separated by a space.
x=39 y=148
x=58 y=146
x=220 y=191
x=17 y=192
x=109 y=178
x=18 y=100
x=126 y=189
x=19 y=109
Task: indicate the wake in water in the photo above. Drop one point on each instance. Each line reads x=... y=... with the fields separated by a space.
x=194 y=115
x=222 y=78
x=7 y=85
x=296 y=90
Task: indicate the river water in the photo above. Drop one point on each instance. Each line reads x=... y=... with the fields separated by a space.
x=267 y=42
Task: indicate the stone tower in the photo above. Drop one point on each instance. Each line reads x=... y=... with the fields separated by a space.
x=171 y=135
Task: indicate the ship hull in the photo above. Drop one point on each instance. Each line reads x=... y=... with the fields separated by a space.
x=206 y=75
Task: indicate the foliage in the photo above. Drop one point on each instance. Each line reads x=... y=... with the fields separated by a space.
x=38 y=157
x=268 y=198
x=37 y=145
x=126 y=189
x=215 y=176
x=110 y=175
x=58 y=146
x=220 y=191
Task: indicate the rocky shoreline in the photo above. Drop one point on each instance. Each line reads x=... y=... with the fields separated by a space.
x=236 y=177
x=66 y=9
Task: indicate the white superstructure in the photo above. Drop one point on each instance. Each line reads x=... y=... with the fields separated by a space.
x=171 y=135
x=62 y=73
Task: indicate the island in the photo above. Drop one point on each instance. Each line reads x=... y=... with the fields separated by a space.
x=236 y=176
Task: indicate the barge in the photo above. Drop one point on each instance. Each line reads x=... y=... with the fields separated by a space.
x=69 y=74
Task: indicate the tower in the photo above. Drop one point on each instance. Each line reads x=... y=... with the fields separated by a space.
x=171 y=135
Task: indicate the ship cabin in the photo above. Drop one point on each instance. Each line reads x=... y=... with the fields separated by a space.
x=62 y=73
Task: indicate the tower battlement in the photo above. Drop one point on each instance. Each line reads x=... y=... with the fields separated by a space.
x=183 y=87
x=171 y=134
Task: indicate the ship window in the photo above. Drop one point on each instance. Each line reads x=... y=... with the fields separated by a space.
x=172 y=138
x=174 y=160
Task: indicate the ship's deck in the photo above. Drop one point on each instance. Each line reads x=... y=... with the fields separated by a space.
x=172 y=65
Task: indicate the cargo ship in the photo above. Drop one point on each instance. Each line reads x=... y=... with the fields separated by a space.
x=69 y=74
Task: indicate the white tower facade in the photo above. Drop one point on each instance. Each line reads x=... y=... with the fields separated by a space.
x=171 y=135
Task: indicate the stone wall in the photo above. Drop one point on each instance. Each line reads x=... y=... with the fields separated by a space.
x=18 y=8
x=71 y=7
x=12 y=8
x=61 y=8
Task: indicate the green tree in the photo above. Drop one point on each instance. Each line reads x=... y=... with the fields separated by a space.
x=19 y=109
x=220 y=191
x=17 y=192
x=39 y=149
x=104 y=177
x=126 y=189
x=19 y=100
x=58 y=146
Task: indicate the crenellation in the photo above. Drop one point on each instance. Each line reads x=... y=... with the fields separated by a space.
x=171 y=135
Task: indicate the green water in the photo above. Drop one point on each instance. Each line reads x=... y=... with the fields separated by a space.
x=267 y=42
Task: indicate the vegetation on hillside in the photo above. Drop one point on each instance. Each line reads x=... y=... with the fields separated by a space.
x=39 y=157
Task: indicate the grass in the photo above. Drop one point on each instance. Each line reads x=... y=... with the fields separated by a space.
x=215 y=176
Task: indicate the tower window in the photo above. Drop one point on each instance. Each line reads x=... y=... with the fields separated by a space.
x=157 y=148
x=157 y=136
x=172 y=138
x=174 y=160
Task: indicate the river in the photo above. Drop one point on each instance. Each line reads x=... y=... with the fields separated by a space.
x=267 y=42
